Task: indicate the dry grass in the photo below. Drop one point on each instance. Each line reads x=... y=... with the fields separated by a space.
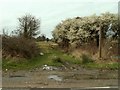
x=109 y=52
x=19 y=47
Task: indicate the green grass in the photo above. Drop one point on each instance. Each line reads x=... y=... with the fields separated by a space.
x=111 y=66
x=48 y=58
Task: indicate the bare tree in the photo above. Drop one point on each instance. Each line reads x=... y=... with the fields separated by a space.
x=29 y=26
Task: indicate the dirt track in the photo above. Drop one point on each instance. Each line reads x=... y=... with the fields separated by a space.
x=66 y=78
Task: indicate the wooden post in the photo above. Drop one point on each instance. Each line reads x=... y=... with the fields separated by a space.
x=100 y=42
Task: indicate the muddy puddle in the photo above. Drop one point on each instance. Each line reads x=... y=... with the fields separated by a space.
x=55 y=77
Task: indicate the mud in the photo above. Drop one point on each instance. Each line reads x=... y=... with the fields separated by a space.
x=39 y=78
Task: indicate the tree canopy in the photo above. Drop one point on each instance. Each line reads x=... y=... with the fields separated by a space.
x=84 y=29
x=28 y=26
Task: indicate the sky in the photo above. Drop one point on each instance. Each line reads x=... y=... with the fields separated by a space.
x=51 y=12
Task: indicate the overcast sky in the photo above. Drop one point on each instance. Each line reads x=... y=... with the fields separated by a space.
x=51 y=12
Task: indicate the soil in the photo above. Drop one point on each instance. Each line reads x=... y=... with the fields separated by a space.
x=60 y=78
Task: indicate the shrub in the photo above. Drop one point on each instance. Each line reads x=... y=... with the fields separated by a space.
x=56 y=59
x=86 y=59
x=19 y=47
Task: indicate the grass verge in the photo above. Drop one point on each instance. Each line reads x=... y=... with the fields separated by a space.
x=54 y=57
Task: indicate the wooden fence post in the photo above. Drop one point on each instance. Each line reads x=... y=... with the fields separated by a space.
x=100 y=42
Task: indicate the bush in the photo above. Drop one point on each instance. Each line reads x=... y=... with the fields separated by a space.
x=56 y=59
x=19 y=47
x=86 y=59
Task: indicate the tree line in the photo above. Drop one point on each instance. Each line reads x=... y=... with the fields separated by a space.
x=76 y=31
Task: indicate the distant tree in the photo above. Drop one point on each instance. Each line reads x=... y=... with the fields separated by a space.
x=5 y=32
x=28 y=26
x=41 y=38
x=47 y=39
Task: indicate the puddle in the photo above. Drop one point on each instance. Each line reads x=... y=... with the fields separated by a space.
x=16 y=76
x=55 y=77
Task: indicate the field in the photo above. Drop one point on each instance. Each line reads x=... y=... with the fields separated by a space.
x=52 y=55
x=66 y=70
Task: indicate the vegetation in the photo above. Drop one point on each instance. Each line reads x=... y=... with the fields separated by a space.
x=82 y=30
x=42 y=38
x=83 y=33
x=54 y=57
x=19 y=47
x=108 y=66
x=86 y=59
x=75 y=43
x=47 y=58
x=22 y=44
x=28 y=26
